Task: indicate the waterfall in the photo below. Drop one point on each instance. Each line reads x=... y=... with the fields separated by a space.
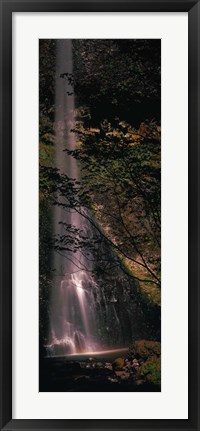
x=87 y=313
x=72 y=319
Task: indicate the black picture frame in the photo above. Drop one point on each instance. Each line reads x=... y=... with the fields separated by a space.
x=7 y=8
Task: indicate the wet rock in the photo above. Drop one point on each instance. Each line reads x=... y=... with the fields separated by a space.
x=135 y=364
x=108 y=365
x=122 y=374
x=99 y=365
x=118 y=364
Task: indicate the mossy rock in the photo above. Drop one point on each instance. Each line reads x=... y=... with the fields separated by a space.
x=144 y=349
x=151 y=371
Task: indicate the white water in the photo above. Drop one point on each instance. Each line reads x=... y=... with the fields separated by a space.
x=72 y=319
x=87 y=314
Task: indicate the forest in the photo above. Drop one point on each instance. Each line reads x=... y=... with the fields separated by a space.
x=100 y=214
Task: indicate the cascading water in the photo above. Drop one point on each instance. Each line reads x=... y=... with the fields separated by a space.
x=72 y=321
x=87 y=314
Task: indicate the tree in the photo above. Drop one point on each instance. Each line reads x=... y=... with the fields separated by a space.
x=116 y=85
x=47 y=67
x=118 y=78
x=119 y=198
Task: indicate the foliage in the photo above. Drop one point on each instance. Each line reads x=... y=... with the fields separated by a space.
x=128 y=175
x=46 y=156
x=47 y=65
x=151 y=370
x=118 y=78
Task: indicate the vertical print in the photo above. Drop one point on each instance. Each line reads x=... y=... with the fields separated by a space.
x=100 y=215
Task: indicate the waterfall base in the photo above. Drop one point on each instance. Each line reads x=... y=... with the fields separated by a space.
x=95 y=372
x=101 y=353
x=73 y=324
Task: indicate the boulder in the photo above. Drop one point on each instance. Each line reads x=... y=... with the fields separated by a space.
x=108 y=365
x=99 y=365
x=135 y=364
x=118 y=364
x=124 y=375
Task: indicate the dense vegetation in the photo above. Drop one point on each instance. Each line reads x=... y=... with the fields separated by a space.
x=118 y=78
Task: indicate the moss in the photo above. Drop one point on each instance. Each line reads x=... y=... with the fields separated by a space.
x=147 y=289
x=46 y=154
x=151 y=370
x=145 y=349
